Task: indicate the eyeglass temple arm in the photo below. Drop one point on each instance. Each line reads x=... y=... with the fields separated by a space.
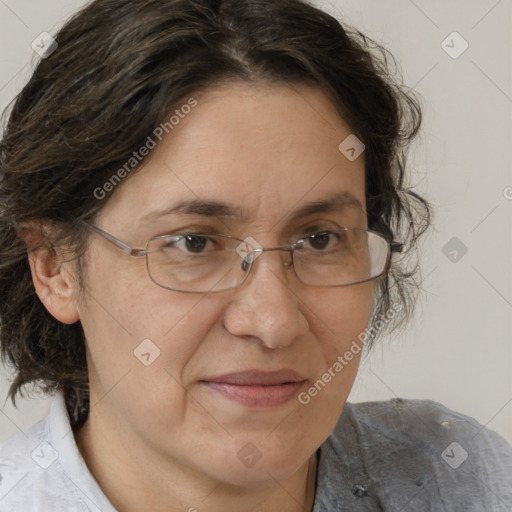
x=396 y=246
x=124 y=247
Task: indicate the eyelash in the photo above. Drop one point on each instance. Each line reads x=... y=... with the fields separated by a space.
x=316 y=229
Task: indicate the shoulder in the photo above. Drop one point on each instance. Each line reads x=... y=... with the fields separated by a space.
x=32 y=478
x=417 y=452
x=420 y=423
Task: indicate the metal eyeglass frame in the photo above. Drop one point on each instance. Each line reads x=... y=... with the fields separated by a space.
x=394 y=247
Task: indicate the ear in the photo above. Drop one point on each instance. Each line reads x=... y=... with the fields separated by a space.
x=52 y=276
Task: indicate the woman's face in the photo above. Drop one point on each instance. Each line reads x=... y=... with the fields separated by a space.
x=266 y=151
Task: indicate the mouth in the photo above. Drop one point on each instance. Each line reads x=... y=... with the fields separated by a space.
x=255 y=388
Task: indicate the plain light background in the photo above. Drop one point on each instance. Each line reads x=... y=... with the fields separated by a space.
x=457 y=350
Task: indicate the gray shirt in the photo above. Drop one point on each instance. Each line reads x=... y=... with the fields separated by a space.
x=397 y=455
x=412 y=455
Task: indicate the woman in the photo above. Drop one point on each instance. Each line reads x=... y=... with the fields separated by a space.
x=203 y=210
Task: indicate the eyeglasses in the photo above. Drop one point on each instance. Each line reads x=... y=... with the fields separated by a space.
x=205 y=263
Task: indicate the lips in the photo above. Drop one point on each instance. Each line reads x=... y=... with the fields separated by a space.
x=258 y=378
x=256 y=388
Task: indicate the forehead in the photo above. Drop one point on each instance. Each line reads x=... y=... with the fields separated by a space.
x=264 y=150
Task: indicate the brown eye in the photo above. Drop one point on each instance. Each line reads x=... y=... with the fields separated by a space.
x=192 y=244
x=195 y=243
x=320 y=241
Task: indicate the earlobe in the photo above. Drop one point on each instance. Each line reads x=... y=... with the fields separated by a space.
x=53 y=284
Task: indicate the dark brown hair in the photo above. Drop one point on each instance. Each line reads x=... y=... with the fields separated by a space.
x=119 y=68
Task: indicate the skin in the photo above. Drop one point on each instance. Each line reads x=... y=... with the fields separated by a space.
x=156 y=439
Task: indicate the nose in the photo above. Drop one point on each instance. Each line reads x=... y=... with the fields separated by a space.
x=266 y=306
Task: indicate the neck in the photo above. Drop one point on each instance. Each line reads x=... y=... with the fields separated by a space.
x=133 y=478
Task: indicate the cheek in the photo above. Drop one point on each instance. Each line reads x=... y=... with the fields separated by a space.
x=140 y=336
x=337 y=326
x=139 y=355
x=340 y=315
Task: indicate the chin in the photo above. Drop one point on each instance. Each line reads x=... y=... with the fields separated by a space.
x=250 y=468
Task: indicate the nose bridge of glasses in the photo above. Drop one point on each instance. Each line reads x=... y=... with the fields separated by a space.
x=254 y=253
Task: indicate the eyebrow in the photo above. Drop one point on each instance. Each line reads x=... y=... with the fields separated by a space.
x=213 y=208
